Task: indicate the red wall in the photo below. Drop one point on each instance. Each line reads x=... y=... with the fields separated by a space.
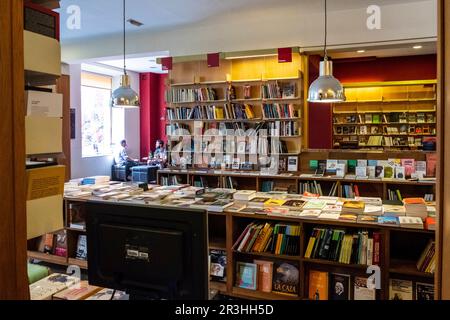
x=152 y=111
x=320 y=120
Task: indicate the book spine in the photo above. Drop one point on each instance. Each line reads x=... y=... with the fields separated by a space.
x=376 y=248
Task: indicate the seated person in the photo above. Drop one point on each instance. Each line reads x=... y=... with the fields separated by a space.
x=159 y=156
x=122 y=158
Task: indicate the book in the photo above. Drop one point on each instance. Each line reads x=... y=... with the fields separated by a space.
x=45 y=288
x=292 y=163
x=79 y=291
x=244 y=195
x=246 y=275
x=218 y=265
x=361 y=172
x=400 y=173
x=388 y=220
x=361 y=290
x=265 y=274
x=81 y=252
x=106 y=294
x=410 y=222
x=400 y=289
x=318 y=285
x=61 y=243
x=285 y=278
x=339 y=286
x=424 y=291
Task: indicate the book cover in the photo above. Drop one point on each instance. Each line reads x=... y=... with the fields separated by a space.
x=265 y=273
x=318 y=285
x=81 y=252
x=339 y=286
x=424 y=291
x=246 y=275
x=218 y=265
x=285 y=278
x=400 y=173
x=400 y=289
x=79 y=291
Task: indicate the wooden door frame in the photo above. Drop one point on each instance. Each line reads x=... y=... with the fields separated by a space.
x=13 y=237
x=442 y=275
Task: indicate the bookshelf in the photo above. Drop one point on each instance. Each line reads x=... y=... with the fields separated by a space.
x=247 y=118
x=400 y=250
x=398 y=114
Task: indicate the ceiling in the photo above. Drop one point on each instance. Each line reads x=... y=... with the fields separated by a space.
x=104 y=17
x=141 y=65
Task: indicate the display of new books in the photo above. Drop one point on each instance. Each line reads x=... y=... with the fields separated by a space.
x=218 y=265
x=246 y=275
x=339 y=286
x=45 y=288
x=286 y=278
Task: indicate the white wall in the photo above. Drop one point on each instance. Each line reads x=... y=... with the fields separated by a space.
x=83 y=167
x=260 y=28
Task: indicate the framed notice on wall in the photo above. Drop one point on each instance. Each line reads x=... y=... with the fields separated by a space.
x=72 y=123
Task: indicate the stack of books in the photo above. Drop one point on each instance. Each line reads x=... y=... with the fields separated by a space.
x=415 y=207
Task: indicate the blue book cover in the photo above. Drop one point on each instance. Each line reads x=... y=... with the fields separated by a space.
x=388 y=220
x=246 y=275
x=372 y=163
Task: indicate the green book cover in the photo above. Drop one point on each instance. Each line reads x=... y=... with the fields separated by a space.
x=388 y=172
x=376 y=118
x=351 y=165
x=313 y=164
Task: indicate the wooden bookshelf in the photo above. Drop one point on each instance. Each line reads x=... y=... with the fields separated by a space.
x=229 y=97
x=225 y=228
x=373 y=109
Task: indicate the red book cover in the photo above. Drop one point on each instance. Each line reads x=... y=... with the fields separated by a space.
x=431 y=164
x=376 y=248
x=284 y=55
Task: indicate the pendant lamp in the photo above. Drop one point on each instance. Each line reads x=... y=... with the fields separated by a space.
x=124 y=96
x=326 y=88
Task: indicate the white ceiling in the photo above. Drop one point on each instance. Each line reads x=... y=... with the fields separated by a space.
x=104 y=17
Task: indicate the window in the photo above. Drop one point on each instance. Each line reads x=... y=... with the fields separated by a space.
x=96 y=115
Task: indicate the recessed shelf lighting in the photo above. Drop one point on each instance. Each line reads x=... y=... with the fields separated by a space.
x=361 y=51
x=417 y=47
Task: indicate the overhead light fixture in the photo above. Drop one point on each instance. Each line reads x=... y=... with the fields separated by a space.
x=417 y=47
x=135 y=23
x=326 y=88
x=124 y=96
x=361 y=51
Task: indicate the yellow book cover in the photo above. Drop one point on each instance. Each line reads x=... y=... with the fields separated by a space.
x=249 y=111
x=261 y=236
x=274 y=202
x=266 y=239
x=310 y=246
x=354 y=204
x=218 y=112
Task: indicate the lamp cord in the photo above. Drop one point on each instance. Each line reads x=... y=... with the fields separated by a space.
x=326 y=28
x=124 y=45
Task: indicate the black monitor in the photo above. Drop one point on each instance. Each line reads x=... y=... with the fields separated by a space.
x=151 y=252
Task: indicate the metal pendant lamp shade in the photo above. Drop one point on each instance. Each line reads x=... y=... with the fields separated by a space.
x=326 y=88
x=124 y=96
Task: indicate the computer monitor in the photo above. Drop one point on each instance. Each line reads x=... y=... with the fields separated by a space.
x=151 y=252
